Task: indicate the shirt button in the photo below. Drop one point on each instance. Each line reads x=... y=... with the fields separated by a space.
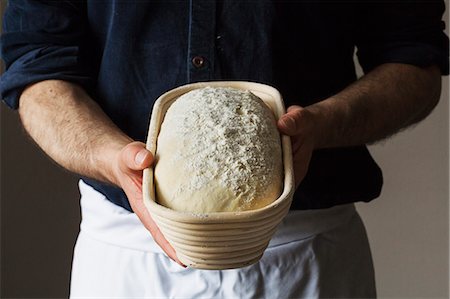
x=198 y=61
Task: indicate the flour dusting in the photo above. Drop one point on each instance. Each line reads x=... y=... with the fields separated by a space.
x=222 y=136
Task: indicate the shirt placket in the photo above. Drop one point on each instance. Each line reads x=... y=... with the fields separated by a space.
x=202 y=27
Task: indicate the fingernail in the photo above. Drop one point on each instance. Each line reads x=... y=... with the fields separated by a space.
x=140 y=157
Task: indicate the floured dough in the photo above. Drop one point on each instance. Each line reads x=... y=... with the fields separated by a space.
x=218 y=150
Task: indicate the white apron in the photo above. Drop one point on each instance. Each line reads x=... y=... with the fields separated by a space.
x=316 y=253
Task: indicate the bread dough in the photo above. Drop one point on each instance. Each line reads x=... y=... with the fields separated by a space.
x=218 y=150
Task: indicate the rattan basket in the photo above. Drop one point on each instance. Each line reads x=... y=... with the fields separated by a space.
x=221 y=240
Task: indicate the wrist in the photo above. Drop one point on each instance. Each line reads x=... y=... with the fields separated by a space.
x=326 y=118
x=315 y=125
x=107 y=158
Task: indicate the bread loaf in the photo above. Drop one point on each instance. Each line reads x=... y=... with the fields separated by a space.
x=218 y=150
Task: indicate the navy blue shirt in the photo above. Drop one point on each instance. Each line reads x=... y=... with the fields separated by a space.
x=127 y=53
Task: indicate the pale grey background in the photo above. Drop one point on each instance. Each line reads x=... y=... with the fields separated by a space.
x=408 y=225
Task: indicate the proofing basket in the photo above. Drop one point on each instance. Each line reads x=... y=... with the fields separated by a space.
x=222 y=240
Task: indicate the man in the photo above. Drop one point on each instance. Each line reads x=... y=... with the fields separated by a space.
x=84 y=76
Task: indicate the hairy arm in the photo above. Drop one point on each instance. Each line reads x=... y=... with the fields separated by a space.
x=73 y=130
x=389 y=98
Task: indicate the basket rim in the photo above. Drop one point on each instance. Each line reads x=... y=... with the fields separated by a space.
x=214 y=217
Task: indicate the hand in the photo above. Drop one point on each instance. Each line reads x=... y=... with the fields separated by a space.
x=298 y=124
x=131 y=162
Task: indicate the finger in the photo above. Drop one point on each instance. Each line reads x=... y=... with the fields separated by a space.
x=297 y=142
x=143 y=214
x=301 y=160
x=165 y=245
x=135 y=156
x=289 y=123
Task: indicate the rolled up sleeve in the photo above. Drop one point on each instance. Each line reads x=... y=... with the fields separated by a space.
x=42 y=40
x=402 y=31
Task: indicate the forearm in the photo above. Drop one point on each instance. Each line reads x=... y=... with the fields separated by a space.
x=71 y=128
x=388 y=99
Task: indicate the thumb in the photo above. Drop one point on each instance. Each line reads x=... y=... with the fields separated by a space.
x=289 y=123
x=136 y=157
